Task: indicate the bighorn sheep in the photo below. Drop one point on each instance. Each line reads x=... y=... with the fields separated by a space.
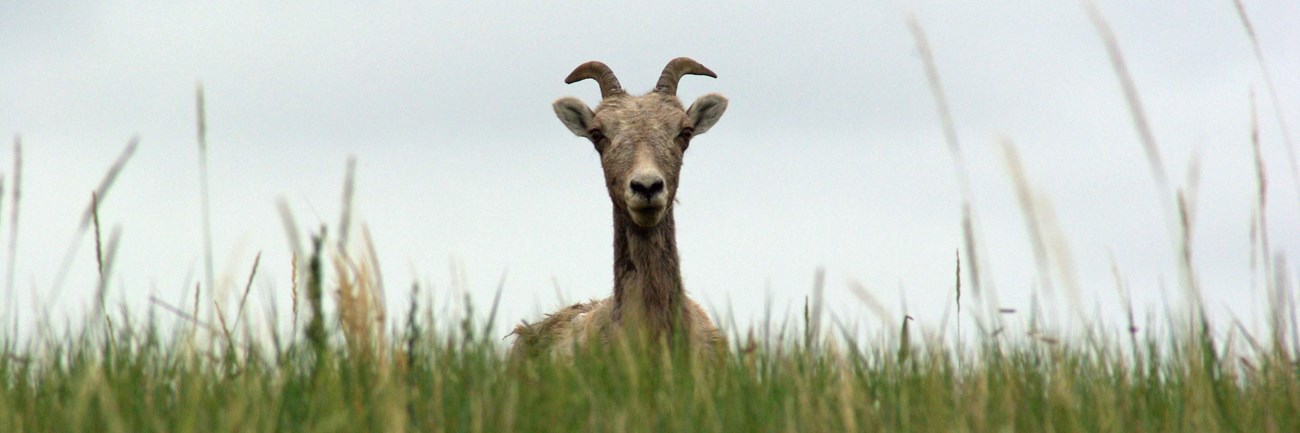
x=641 y=140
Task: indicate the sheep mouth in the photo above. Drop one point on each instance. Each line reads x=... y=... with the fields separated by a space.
x=646 y=216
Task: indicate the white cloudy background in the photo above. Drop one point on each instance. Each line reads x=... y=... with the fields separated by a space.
x=830 y=155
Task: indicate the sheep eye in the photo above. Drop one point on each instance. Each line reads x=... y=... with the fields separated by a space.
x=598 y=139
x=685 y=137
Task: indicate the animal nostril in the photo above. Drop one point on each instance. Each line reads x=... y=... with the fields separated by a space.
x=647 y=186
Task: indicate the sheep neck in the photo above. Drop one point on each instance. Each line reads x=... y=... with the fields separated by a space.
x=648 y=291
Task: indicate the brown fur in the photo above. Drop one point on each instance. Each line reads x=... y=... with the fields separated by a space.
x=643 y=136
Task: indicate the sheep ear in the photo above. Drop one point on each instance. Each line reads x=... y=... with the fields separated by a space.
x=706 y=111
x=575 y=115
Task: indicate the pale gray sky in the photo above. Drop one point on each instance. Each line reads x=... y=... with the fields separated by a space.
x=830 y=155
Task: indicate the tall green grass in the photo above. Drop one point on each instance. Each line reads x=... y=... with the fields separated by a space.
x=135 y=376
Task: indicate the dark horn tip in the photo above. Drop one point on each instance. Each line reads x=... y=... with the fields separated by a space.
x=602 y=74
x=580 y=73
x=674 y=71
x=698 y=68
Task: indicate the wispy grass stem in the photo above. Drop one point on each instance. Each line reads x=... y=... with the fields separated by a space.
x=201 y=120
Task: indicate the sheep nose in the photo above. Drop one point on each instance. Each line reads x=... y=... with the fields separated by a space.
x=647 y=185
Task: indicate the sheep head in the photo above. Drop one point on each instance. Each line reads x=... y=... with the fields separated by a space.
x=641 y=139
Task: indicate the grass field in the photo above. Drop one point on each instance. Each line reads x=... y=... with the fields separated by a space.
x=346 y=373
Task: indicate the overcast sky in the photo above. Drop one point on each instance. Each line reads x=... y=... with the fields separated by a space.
x=830 y=155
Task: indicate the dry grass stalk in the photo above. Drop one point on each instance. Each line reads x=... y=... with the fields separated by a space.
x=818 y=306
x=860 y=291
x=290 y=228
x=1126 y=301
x=1175 y=207
x=183 y=315
x=221 y=318
x=1259 y=224
x=1260 y=249
x=1051 y=251
x=293 y=287
x=1272 y=93
x=373 y=257
x=13 y=214
x=345 y=220
x=969 y=237
x=1186 y=221
x=104 y=254
x=101 y=192
x=196 y=307
x=99 y=249
x=1187 y=199
x=247 y=288
x=361 y=312
x=1028 y=209
x=1140 y=122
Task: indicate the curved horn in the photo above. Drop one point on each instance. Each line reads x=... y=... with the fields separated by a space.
x=674 y=71
x=602 y=74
